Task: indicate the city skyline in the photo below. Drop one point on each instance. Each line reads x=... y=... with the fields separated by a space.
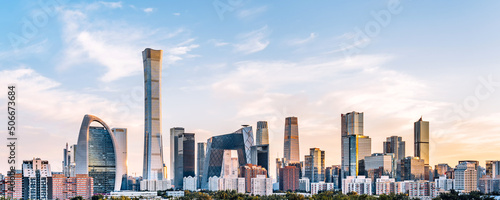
x=210 y=95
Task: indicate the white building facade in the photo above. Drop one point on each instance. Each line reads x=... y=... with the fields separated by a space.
x=262 y=186
x=360 y=185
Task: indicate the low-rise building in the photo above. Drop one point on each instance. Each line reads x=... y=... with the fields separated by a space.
x=321 y=186
x=360 y=185
x=422 y=189
x=68 y=187
x=189 y=183
x=305 y=185
x=262 y=186
x=385 y=185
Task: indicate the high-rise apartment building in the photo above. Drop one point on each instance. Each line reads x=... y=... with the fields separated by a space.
x=262 y=134
x=315 y=165
x=289 y=178
x=291 y=145
x=466 y=177
x=261 y=185
x=354 y=145
x=249 y=172
x=360 y=185
x=36 y=174
x=69 y=187
x=421 y=135
x=395 y=145
x=202 y=149
x=153 y=165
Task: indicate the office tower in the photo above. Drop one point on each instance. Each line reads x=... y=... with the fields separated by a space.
x=230 y=164
x=36 y=175
x=174 y=148
x=69 y=164
x=240 y=140
x=378 y=165
x=289 y=178
x=332 y=175
x=315 y=165
x=412 y=168
x=261 y=185
x=69 y=187
x=291 y=145
x=153 y=146
x=96 y=157
x=395 y=145
x=262 y=134
x=260 y=156
x=202 y=149
x=184 y=158
x=121 y=139
x=354 y=145
x=492 y=168
x=249 y=172
x=466 y=177
x=441 y=169
x=421 y=133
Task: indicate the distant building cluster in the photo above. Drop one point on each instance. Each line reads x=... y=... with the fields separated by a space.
x=97 y=163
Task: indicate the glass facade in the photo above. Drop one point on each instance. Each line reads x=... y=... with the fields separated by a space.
x=102 y=160
x=260 y=156
x=421 y=133
x=202 y=149
x=241 y=141
x=262 y=133
x=291 y=145
x=153 y=146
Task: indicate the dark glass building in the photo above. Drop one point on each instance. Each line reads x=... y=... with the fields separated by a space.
x=241 y=141
x=184 y=155
x=260 y=156
x=202 y=149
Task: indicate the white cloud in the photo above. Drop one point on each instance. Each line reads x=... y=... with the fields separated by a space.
x=148 y=10
x=248 y=13
x=253 y=41
x=103 y=42
x=177 y=14
x=111 y=4
x=311 y=37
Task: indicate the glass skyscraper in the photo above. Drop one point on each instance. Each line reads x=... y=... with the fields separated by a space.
x=97 y=155
x=315 y=165
x=291 y=145
x=395 y=145
x=241 y=141
x=354 y=145
x=421 y=133
x=153 y=146
x=202 y=149
x=262 y=134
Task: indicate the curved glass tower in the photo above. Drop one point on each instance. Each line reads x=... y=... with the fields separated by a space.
x=97 y=156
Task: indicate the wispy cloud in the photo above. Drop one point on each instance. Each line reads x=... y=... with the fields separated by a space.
x=111 y=4
x=249 y=13
x=177 y=14
x=311 y=37
x=102 y=42
x=148 y=10
x=253 y=41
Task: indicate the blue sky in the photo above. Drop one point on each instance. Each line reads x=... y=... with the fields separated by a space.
x=257 y=60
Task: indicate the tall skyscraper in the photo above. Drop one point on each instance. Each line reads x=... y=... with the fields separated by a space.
x=174 y=148
x=262 y=135
x=354 y=145
x=121 y=139
x=185 y=158
x=153 y=146
x=69 y=164
x=291 y=147
x=96 y=155
x=315 y=165
x=202 y=149
x=421 y=133
x=395 y=145
x=182 y=155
